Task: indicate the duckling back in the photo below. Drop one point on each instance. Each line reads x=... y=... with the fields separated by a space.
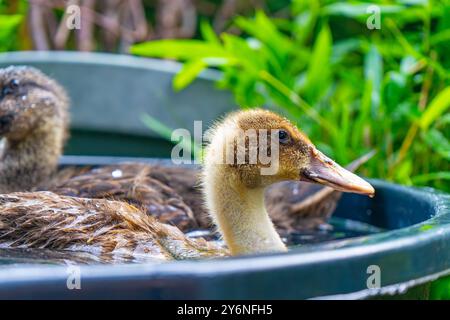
x=112 y=230
x=167 y=193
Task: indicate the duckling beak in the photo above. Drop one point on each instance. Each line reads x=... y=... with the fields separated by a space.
x=325 y=171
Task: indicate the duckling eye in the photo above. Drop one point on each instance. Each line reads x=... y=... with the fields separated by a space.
x=283 y=136
x=14 y=83
x=10 y=88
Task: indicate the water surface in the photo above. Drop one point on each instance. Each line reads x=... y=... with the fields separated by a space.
x=337 y=229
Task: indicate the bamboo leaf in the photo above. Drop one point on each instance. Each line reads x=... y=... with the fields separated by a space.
x=356 y=10
x=188 y=73
x=208 y=33
x=373 y=71
x=157 y=126
x=8 y=24
x=319 y=66
x=438 y=142
x=441 y=175
x=178 y=49
x=437 y=106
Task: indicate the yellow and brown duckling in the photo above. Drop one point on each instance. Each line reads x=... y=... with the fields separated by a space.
x=234 y=193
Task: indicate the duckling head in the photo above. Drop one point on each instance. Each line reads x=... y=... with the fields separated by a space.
x=261 y=147
x=29 y=101
x=33 y=127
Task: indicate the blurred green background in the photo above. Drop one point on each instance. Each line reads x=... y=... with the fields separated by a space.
x=349 y=87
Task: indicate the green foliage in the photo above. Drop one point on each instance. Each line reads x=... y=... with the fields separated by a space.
x=350 y=88
x=9 y=25
x=440 y=289
x=437 y=107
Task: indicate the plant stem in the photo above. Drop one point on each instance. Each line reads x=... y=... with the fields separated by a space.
x=405 y=146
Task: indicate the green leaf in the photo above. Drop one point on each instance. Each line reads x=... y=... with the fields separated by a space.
x=373 y=72
x=263 y=29
x=442 y=175
x=241 y=50
x=157 y=126
x=208 y=33
x=8 y=24
x=440 y=289
x=444 y=120
x=363 y=116
x=438 y=142
x=403 y=172
x=188 y=73
x=443 y=36
x=394 y=89
x=178 y=49
x=343 y=48
x=319 y=65
x=357 y=10
x=437 y=106
x=306 y=19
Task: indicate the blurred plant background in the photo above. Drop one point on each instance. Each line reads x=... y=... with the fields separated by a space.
x=352 y=89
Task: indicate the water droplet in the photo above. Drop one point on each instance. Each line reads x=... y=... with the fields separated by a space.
x=198 y=233
x=117 y=173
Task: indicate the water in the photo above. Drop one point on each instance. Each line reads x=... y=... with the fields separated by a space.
x=336 y=229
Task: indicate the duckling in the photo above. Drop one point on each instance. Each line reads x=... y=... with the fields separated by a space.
x=33 y=127
x=136 y=183
x=94 y=230
x=233 y=192
x=34 y=121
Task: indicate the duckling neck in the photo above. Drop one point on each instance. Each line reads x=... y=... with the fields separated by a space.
x=239 y=213
x=29 y=162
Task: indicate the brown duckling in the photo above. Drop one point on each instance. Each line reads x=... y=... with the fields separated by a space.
x=234 y=192
x=110 y=231
x=139 y=184
x=33 y=126
x=34 y=122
